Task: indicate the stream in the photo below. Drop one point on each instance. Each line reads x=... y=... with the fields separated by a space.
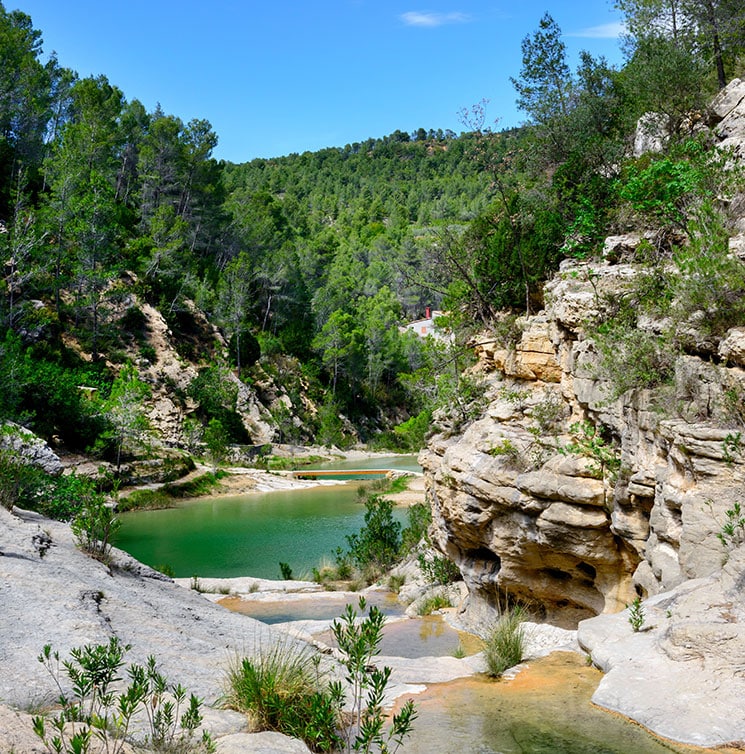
x=545 y=709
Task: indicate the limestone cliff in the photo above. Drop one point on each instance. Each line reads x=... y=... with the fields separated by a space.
x=569 y=497
x=169 y=355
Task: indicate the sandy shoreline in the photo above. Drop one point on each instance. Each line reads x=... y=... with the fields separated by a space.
x=243 y=480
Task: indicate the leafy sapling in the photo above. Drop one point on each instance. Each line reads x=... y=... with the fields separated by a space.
x=636 y=614
x=96 y=711
x=359 y=641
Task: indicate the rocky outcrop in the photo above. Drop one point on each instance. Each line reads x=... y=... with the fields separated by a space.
x=573 y=496
x=29 y=449
x=169 y=375
x=679 y=675
x=59 y=596
x=521 y=500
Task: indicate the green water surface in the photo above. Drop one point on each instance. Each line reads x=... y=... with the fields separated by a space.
x=247 y=535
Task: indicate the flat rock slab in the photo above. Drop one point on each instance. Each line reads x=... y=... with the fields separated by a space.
x=673 y=677
x=260 y=743
x=67 y=599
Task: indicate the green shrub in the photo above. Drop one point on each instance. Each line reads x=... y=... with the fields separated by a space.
x=359 y=641
x=711 y=280
x=283 y=689
x=588 y=442
x=97 y=710
x=412 y=434
x=64 y=496
x=661 y=188
x=507 y=449
x=732 y=531
x=217 y=396
x=378 y=544
x=438 y=569
x=46 y=396
x=20 y=483
x=148 y=352
x=504 y=646
x=633 y=359
x=420 y=517
x=94 y=526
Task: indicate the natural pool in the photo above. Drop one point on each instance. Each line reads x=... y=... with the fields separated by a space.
x=545 y=709
x=249 y=535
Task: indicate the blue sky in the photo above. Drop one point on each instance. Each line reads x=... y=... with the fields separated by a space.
x=281 y=76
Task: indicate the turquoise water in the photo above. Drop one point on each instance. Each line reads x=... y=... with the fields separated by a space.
x=250 y=535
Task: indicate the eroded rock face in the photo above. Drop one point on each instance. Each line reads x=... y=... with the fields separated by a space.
x=526 y=509
x=570 y=497
x=29 y=448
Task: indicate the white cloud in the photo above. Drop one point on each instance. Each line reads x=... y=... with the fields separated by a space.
x=604 y=31
x=430 y=20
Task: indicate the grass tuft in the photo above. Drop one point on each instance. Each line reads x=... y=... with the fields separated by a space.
x=281 y=689
x=430 y=604
x=505 y=644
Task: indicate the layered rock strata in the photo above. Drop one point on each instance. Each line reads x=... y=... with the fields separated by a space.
x=570 y=497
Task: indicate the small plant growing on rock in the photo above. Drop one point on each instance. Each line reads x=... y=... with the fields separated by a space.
x=636 y=614
x=505 y=644
x=588 y=442
x=94 y=526
x=732 y=532
x=507 y=449
x=732 y=447
x=549 y=413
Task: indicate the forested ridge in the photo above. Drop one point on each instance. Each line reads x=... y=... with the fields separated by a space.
x=309 y=264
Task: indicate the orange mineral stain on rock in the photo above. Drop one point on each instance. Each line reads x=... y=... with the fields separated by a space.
x=546 y=707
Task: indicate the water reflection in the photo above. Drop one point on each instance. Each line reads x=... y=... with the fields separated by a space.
x=331 y=606
x=428 y=636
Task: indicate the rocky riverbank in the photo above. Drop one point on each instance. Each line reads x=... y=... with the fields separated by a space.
x=51 y=593
x=576 y=491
